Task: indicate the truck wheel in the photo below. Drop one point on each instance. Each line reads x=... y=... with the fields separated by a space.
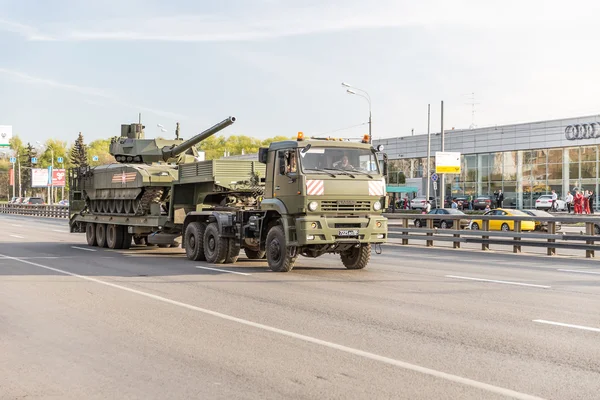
x=233 y=251
x=114 y=236
x=101 y=235
x=255 y=254
x=215 y=247
x=90 y=234
x=194 y=241
x=278 y=256
x=126 y=239
x=357 y=257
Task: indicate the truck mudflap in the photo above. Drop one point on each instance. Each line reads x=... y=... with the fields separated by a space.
x=318 y=230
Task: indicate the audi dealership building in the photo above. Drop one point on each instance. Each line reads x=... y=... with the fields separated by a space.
x=524 y=160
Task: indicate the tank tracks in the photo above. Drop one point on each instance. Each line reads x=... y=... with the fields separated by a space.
x=137 y=207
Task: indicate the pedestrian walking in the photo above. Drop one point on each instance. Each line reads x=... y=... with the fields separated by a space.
x=554 y=198
x=569 y=201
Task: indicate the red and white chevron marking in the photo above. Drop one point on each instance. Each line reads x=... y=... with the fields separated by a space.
x=376 y=188
x=315 y=187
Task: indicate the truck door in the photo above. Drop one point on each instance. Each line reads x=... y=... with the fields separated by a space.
x=286 y=182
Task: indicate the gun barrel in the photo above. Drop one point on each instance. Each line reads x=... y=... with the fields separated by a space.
x=171 y=152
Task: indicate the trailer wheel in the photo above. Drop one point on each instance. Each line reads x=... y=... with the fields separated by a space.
x=90 y=234
x=101 y=235
x=126 y=239
x=215 y=247
x=278 y=255
x=233 y=251
x=114 y=236
x=357 y=257
x=194 y=241
x=255 y=254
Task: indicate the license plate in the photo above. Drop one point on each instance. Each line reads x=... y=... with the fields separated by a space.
x=353 y=232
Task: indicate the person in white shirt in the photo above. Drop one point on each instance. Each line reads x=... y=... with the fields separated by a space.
x=569 y=201
x=554 y=198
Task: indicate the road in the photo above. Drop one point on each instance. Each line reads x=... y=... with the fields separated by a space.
x=146 y=323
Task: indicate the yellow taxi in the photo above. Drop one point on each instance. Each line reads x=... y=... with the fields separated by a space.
x=502 y=224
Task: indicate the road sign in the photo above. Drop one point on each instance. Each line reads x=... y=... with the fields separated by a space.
x=34 y=160
x=13 y=160
x=434 y=185
x=60 y=160
x=95 y=158
x=434 y=177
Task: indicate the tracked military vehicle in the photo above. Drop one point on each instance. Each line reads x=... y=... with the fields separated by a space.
x=141 y=178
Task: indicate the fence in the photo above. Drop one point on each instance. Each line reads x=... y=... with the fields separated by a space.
x=36 y=210
x=514 y=237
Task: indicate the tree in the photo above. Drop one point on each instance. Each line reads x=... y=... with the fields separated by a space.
x=56 y=148
x=26 y=165
x=100 y=148
x=79 y=153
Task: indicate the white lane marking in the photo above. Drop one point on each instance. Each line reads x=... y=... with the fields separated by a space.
x=82 y=248
x=57 y=230
x=17 y=225
x=402 y=364
x=579 y=271
x=495 y=281
x=585 y=328
x=17 y=236
x=223 y=270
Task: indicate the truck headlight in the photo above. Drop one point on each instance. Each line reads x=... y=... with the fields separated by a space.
x=312 y=206
x=377 y=205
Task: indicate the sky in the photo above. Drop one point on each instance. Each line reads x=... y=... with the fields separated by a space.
x=68 y=66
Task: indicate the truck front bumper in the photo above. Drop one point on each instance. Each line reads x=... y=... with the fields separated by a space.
x=333 y=230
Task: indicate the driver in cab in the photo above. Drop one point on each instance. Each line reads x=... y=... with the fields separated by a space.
x=343 y=163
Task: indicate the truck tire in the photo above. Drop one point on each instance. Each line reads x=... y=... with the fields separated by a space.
x=255 y=254
x=278 y=256
x=126 y=239
x=101 y=235
x=90 y=234
x=215 y=247
x=357 y=257
x=114 y=236
x=194 y=241
x=233 y=251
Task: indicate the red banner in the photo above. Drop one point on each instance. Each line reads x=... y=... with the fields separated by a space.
x=11 y=177
x=59 y=177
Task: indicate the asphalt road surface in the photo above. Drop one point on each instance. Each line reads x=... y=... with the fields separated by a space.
x=418 y=323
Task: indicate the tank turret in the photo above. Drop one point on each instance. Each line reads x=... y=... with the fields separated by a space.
x=132 y=147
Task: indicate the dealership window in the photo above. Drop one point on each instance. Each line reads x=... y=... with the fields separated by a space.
x=510 y=166
x=588 y=170
x=587 y=154
x=495 y=162
x=555 y=156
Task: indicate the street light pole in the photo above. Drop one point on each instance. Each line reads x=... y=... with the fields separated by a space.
x=364 y=96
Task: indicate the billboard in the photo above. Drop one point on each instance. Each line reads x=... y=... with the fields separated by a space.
x=39 y=177
x=447 y=162
x=59 y=177
x=5 y=135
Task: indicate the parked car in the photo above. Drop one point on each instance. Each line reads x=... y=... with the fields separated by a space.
x=418 y=203
x=504 y=225
x=63 y=203
x=442 y=222
x=542 y=225
x=34 y=200
x=480 y=202
x=13 y=200
x=544 y=202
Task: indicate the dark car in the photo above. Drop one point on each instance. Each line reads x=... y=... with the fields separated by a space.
x=462 y=202
x=35 y=200
x=542 y=225
x=480 y=202
x=444 y=223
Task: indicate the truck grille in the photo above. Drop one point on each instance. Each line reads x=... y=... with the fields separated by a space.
x=343 y=206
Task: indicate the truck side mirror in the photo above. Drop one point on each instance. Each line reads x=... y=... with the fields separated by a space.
x=263 y=154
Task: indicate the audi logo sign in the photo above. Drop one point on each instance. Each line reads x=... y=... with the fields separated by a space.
x=582 y=131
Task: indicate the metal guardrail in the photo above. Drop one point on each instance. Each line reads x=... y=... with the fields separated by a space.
x=515 y=238
x=36 y=210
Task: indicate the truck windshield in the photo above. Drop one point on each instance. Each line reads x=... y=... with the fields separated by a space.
x=329 y=159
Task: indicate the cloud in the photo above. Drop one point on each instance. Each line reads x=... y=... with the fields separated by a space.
x=86 y=90
x=268 y=20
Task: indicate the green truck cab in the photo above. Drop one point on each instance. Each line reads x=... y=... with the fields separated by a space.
x=319 y=196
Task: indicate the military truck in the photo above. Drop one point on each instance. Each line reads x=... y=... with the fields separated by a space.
x=304 y=197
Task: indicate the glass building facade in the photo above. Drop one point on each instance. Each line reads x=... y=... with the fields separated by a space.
x=525 y=160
